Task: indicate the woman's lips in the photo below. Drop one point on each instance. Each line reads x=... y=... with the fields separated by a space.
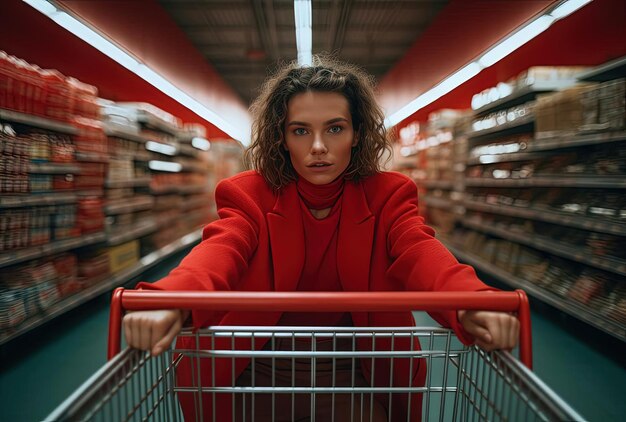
x=319 y=168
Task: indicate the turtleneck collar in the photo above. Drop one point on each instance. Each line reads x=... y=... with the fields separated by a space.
x=319 y=197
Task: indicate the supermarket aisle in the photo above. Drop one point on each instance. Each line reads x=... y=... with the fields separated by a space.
x=69 y=352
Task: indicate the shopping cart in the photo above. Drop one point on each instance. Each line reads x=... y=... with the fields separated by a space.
x=305 y=367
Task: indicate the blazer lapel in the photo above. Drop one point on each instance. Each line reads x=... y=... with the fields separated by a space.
x=286 y=239
x=354 y=244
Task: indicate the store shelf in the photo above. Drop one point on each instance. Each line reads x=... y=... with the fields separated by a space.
x=127 y=205
x=523 y=95
x=190 y=204
x=124 y=234
x=15 y=257
x=142 y=156
x=92 y=157
x=433 y=201
x=33 y=200
x=566 y=305
x=123 y=133
x=106 y=284
x=561 y=141
x=137 y=182
x=53 y=168
x=506 y=128
x=188 y=150
x=195 y=168
x=607 y=182
x=91 y=192
x=437 y=184
x=38 y=122
x=555 y=217
x=504 y=158
x=546 y=244
x=155 y=123
x=610 y=70
x=182 y=189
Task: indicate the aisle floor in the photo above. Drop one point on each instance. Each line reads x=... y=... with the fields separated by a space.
x=66 y=353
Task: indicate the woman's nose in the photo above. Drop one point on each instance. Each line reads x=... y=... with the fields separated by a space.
x=318 y=147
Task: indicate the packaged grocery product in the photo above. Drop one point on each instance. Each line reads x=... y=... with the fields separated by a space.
x=588 y=285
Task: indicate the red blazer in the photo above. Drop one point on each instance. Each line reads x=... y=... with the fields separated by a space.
x=257 y=244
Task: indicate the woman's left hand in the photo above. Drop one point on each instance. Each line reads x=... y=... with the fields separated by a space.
x=492 y=330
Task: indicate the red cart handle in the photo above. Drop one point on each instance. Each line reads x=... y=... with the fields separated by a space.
x=135 y=300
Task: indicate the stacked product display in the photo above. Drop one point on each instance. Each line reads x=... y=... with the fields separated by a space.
x=50 y=195
x=87 y=189
x=543 y=204
x=436 y=164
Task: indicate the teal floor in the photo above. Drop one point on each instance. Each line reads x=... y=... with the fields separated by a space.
x=41 y=370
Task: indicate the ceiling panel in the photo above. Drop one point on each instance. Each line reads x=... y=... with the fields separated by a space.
x=245 y=39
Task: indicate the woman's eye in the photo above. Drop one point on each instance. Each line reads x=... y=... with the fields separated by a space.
x=300 y=131
x=335 y=129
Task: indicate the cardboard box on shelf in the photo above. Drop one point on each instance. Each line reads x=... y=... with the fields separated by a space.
x=123 y=256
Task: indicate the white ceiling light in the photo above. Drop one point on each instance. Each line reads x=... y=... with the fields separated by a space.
x=304 y=31
x=433 y=94
x=165 y=166
x=489 y=58
x=515 y=41
x=201 y=144
x=110 y=49
x=161 y=148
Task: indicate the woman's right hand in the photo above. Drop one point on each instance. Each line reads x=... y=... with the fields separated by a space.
x=153 y=330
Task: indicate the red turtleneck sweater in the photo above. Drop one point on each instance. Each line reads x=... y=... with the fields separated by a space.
x=320 y=260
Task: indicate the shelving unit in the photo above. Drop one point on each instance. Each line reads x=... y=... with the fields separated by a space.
x=20 y=201
x=546 y=244
x=518 y=125
x=606 y=72
x=575 y=140
x=523 y=95
x=37 y=122
x=550 y=192
x=566 y=305
x=137 y=182
x=53 y=168
x=504 y=158
x=433 y=201
x=616 y=182
x=105 y=284
x=22 y=255
x=139 y=230
x=128 y=205
x=564 y=219
x=438 y=184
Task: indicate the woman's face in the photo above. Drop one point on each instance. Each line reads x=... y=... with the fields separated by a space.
x=319 y=135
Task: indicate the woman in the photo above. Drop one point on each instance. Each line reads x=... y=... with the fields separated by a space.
x=317 y=213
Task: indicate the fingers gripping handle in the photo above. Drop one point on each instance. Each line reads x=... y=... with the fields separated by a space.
x=321 y=302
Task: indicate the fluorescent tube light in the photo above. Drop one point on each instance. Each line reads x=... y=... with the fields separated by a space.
x=160 y=148
x=568 y=7
x=492 y=56
x=116 y=53
x=42 y=6
x=516 y=40
x=165 y=166
x=304 y=31
x=201 y=143
x=434 y=94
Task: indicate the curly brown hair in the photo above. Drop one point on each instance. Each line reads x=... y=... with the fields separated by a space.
x=266 y=153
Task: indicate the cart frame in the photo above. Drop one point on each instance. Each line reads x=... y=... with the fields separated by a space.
x=474 y=384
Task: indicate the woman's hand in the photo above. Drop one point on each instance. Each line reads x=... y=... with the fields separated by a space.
x=492 y=330
x=153 y=330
